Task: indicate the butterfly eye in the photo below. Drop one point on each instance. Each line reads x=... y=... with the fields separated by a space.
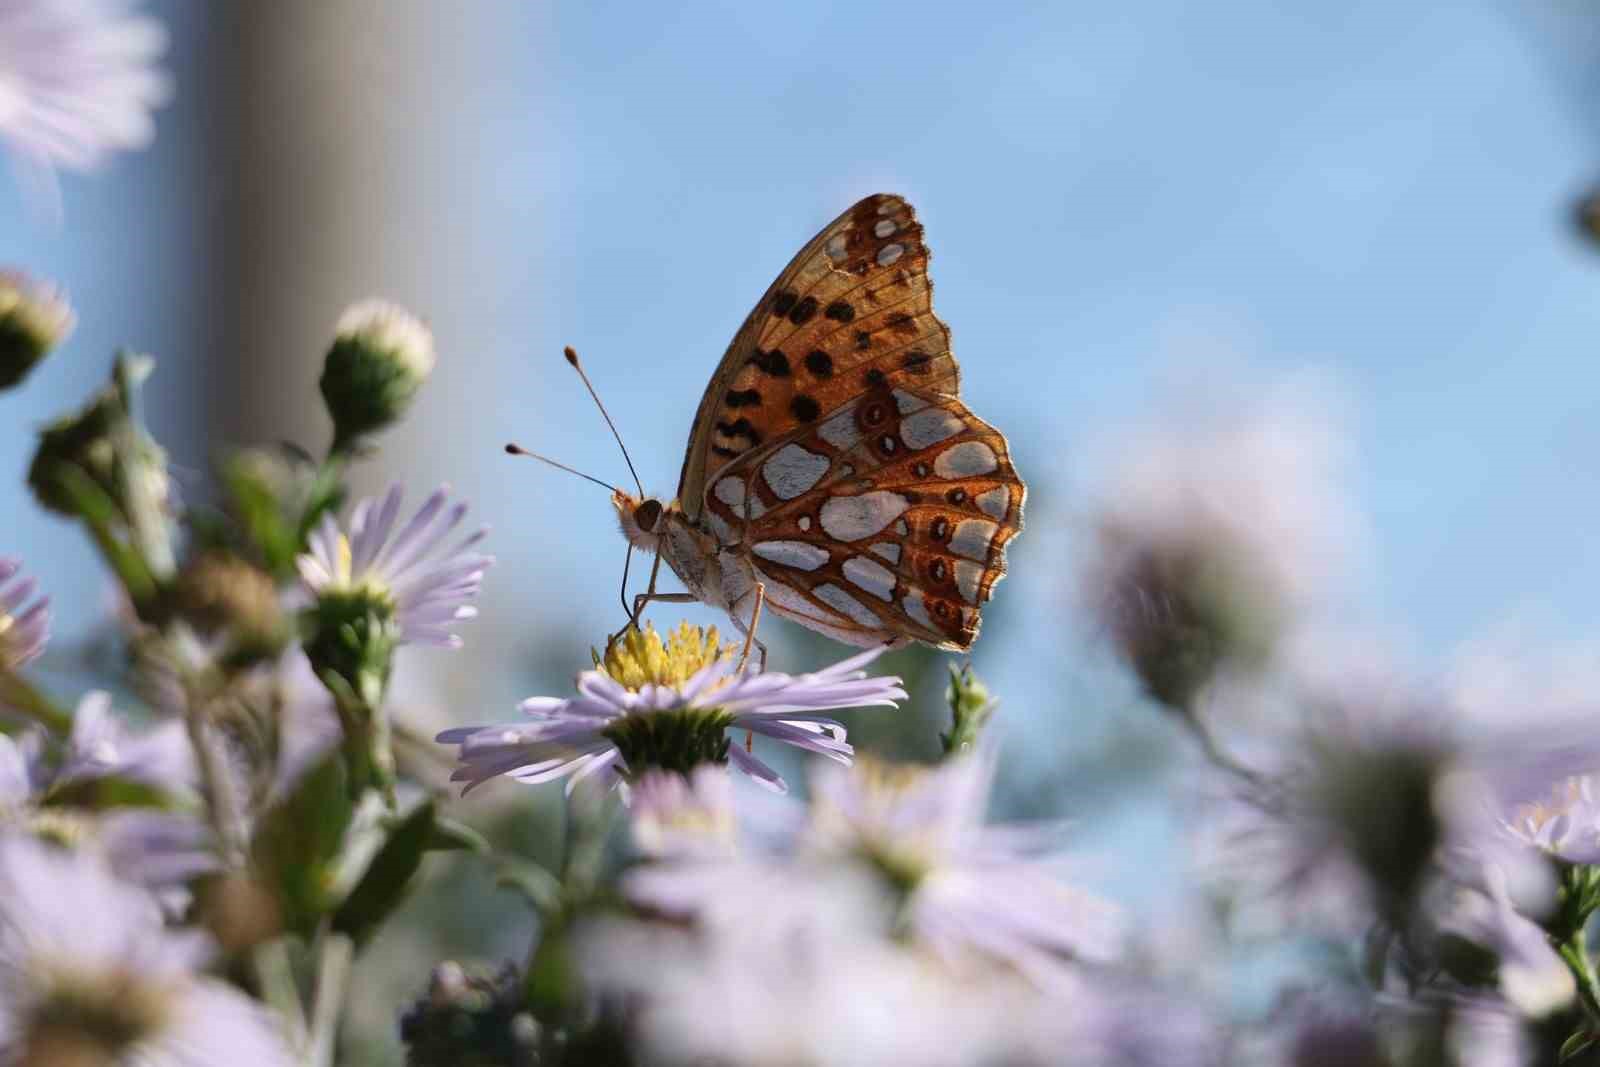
x=647 y=514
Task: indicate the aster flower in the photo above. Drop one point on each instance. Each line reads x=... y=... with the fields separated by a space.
x=669 y=705
x=88 y=974
x=376 y=569
x=101 y=745
x=1214 y=534
x=78 y=80
x=676 y=815
x=34 y=318
x=160 y=850
x=970 y=890
x=24 y=618
x=1564 y=824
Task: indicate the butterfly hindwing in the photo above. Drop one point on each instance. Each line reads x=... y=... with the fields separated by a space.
x=887 y=521
x=832 y=447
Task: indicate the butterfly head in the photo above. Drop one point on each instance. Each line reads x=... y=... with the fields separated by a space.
x=643 y=519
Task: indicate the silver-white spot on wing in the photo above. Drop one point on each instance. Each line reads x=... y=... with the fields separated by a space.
x=721 y=528
x=930 y=426
x=792 y=471
x=901 y=528
x=730 y=491
x=968 y=577
x=874 y=577
x=840 y=431
x=797 y=554
x=884 y=227
x=995 y=502
x=791 y=600
x=887 y=550
x=846 y=605
x=836 y=248
x=915 y=610
x=889 y=254
x=966 y=460
x=972 y=538
x=908 y=402
x=805 y=522
x=850 y=518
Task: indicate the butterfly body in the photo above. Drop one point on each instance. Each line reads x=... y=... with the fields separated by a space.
x=832 y=461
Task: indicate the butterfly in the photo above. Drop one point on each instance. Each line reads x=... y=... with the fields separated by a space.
x=833 y=472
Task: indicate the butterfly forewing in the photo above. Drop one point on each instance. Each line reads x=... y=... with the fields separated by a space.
x=832 y=446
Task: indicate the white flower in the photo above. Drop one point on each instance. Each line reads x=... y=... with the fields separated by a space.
x=88 y=974
x=102 y=746
x=78 y=80
x=425 y=594
x=670 y=706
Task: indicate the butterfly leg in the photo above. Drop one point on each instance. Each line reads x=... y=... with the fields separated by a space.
x=750 y=634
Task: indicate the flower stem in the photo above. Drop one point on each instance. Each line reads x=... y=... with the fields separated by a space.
x=335 y=953
x=275 y=976
x=1214 y=752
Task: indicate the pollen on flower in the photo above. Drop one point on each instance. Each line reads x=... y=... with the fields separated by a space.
x=636 y=658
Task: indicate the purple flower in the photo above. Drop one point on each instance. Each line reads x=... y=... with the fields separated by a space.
x=393 y=572
x=24 y=618
x=971 y=890
x=670 y=705
x=102 y=746
x=678 y=816
x=78 y=80
x=89 y=974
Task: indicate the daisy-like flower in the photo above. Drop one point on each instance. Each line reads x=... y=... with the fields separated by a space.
x=675 y=815
x=970 y=890
x=34 y=318
x=161 y=850
x=78 y=81
x=89 y=975
x=24 y=618
x=1565 y=824
x=377 y=586
x=669 y=705
x=380 y=357
x=102 y=746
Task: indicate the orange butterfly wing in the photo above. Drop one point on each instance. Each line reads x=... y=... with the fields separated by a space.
x=832 y=445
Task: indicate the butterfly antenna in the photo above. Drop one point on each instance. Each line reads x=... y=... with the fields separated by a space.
x=518 y=450
x=572 y=358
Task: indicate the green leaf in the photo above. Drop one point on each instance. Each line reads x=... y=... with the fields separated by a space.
x=388 y=877
x=298 y=840
x=1575 y=1046
x=98 y=794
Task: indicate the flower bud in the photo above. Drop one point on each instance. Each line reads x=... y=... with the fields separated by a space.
x=381 y=355
x=219 y=593
x=970 y=709
x=34 y=318
x=82 y=440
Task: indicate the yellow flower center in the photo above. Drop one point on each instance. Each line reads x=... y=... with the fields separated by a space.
x=637 y=658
